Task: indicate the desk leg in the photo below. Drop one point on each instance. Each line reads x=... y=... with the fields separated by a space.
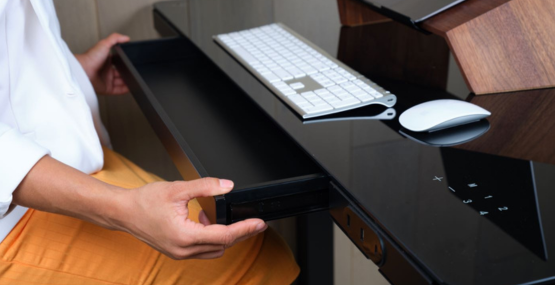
x=315 y=249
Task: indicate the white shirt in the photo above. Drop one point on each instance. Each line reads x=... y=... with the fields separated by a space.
x=47 y=103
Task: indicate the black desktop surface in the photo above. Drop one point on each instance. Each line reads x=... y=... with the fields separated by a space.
x=464 y=217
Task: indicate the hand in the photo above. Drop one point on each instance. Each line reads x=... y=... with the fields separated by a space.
x=97 y=63
x=157 y=214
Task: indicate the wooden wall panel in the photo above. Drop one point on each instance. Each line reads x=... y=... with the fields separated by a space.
x=522 y=125
x=83 y=23
x=500 y=45
x=509 y=48
x=130 y=17
x=462 y=13
x=78 y=20
x=354 y=13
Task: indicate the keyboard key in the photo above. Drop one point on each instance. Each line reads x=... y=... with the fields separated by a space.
x=280 y=84
x=332 y=100
x=345 y=103
x=318 y=102
x=348 y=85
x=318 y=76
x=309 y=95
x=340 y=92
x=358 y=92
x=282 y=74
x=308 y=69
x=297 y=85
x=320 y=66
x=318 y=109
x=328 y=96
x=326 y=83
x=353 y=89
x=298 y=99
x=297 y=73
x=365 y=98
x=345 y=96
x=340 y=80
x=287 y=91
x=271 y=77
x=322 y=92
x=376 y=94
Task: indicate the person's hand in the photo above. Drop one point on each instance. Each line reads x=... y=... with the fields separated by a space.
x=157 y=214
x=97 y=64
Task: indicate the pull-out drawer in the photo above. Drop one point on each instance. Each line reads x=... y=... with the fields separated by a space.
x=207 y=123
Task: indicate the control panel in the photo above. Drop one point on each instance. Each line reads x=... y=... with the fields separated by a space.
x=500 y=189
x=361 y=233
x=373 y=244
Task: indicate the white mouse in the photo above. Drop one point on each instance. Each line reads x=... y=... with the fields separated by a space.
x=441 y=114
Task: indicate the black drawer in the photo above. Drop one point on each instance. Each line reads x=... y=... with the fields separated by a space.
x=207 y=123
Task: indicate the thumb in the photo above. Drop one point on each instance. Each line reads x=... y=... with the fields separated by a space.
x=102 y=49
x=203 y=187
x=113 y=40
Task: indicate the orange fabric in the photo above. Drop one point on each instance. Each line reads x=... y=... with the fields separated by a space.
x=47 y=248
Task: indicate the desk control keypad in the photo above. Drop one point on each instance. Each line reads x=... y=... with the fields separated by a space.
x=480 y=198
x=498 y=188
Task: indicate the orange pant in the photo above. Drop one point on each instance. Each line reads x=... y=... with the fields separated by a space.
x=46 y=248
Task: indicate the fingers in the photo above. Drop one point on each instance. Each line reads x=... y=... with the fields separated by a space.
x=114 y=39
x=204 y=187
x=206 y=251
x=203 y=219
x=229 y=235
x=119 y=87
x=114 y=83
x=209 y=255
x=120 y=90
x=103 y=47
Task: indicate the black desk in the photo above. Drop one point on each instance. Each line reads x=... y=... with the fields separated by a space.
x=476 y=213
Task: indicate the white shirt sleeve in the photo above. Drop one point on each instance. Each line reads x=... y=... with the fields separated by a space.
x=18 y=155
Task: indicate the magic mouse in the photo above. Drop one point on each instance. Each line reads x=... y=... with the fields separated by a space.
x=441 y=114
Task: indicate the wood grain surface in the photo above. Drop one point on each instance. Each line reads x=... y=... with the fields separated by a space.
x=509 y=48
x=499 y=45
x=443 y=22
x=522 y=125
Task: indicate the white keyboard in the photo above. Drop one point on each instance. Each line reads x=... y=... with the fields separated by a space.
x=305 y=77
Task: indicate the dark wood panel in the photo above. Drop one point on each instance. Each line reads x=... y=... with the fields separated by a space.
x=522 y=125
x=394 y=51
x=460 y=14
x=499 y=45
x=509 y=48
x=354 y=13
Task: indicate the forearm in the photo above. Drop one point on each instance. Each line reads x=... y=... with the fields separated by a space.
x=155 y=213
x=54 y=187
